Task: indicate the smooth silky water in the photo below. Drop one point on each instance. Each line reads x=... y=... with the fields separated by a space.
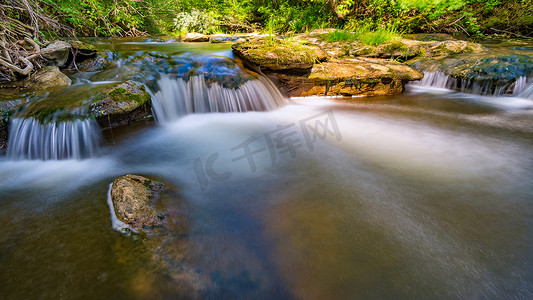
x=422 y=195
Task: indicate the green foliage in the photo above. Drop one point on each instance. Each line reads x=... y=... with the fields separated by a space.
x=134 y=17
x=340 y=36
x=195 y=21
x=112 y=18
x=295 y=16
x=365 y=35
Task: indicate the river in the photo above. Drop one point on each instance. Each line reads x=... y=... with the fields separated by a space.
x=423 y=195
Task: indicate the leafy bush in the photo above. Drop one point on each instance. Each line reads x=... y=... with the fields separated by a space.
x=195 y=21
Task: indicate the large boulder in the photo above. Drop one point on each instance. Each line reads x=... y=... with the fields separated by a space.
x=279 y=55
x=306 y=69
x=350 y=77
x=57 y=53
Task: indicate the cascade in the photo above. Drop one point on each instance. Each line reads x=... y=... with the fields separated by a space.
x=440 y=80
x=178 y=97
x=75 y=139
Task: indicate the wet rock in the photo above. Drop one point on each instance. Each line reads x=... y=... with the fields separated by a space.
x=120 y=104
x=47 y=77
x=448 y=47
x=399 y=50
x=227 y=38
x=321 y=68
x=134 y=200
x=98 y=63
x=83 y=50
x=57 y=53
x=195 y=37
x=349 y=77
x=274 y=54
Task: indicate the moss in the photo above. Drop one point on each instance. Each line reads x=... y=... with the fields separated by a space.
x=395 y=46
x=279 y=54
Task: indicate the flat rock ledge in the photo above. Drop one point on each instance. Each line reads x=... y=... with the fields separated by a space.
x=310 y=64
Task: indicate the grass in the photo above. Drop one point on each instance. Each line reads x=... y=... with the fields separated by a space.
x=365 y=35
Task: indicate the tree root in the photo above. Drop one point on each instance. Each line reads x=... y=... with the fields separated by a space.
x=24 y=72
x=15 y=32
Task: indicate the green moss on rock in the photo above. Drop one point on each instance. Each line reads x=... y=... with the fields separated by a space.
x=120 y=99
x=275 y=54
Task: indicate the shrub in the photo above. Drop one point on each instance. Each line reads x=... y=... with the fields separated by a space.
x=195 y=21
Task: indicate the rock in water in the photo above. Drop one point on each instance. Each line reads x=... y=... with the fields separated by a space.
x=279 y=55
x=83 y=50
x=195 y=37
x=134 y=200
x=57 y=53
x=120 y=104
x=47 y=77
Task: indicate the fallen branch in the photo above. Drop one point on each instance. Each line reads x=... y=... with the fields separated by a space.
x=509 y=32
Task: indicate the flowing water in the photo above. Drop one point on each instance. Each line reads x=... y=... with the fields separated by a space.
x=422 y=195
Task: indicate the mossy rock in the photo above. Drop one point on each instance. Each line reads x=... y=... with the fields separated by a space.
x=369 y=51
x=46 y=78
x=83 y=49
x=428 y=37
x=275 y=54
x=113 y=104
x=446 y=48
x=120 y=99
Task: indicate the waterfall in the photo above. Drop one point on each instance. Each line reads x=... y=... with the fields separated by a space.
x=524 y=88
x=178 y=97
x=432 y=79
x=440 y=80
x=29 y=139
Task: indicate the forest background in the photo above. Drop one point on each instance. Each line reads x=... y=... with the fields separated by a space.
x=177 y=17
